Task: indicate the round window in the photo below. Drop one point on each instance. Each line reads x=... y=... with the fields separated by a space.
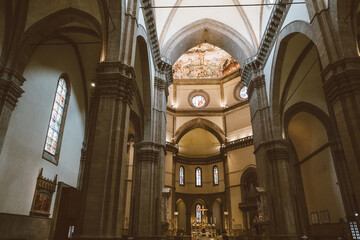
x=198 y=101
x=243 y=93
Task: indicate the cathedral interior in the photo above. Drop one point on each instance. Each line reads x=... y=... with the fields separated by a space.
x=179 y=119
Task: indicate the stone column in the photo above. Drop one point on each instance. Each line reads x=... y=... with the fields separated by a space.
x=104 y=177
x=146 y=214
x=272 y=161
x=10 y=92
x=150 y=164
x=342 y=89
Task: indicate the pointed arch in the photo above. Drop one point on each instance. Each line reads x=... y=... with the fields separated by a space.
x=211 y=31
x=48 y=27
x=286 y=34
x=200 y=123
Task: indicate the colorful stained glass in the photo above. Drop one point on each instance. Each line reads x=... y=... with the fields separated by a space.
x=181 y=175
x=216 y=175
x=243 y=93
x=198 y=176
x=56 y=117
x=198 y=101
x=198 y=212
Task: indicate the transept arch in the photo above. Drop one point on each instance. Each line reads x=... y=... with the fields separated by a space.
x=200 y=123
x=210 y=31
x=143 y=81
x=286 y=67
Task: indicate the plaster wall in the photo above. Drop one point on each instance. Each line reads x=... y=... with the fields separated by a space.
x=183 y=92
x=306 y=85
x=207 y=179
x=36 y=13
x=238 y=160
x=169 y=169
x=238 y=119
x=228 y=16
x=215 y=119
x=318 y=172
x=296 y=12
x=229 y=86
x=21 y=158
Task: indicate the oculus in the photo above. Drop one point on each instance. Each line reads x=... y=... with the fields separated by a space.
x=243 y=93
x=198 y=99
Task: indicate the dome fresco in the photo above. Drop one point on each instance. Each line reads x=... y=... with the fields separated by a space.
x=204 y=61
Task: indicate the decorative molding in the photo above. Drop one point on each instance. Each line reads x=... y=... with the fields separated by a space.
x=148 y=151
x=10 y=87
x=239 y=143
x=162 y=63
x=172 y=147
x=276 y=154
x=43 y=195
x=115 y=80
x=200 y=161
x=271 y=32
x=256 y=83
x=341 y=79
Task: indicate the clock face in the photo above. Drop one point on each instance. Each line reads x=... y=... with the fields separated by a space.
x=243 y=93
x=198 y=101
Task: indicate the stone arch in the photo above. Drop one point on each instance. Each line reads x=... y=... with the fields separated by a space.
x=50 y=27
x=291 y=30
x=213 y=32
x=143 y=80
x=138 y=127
x=200 y=123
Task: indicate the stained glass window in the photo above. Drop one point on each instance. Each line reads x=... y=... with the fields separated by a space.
x=216 y=175
x=198 y=176
x=243 y=93
x=181 y=176
x=198 y=212
x=198 y=101
x=57 y=113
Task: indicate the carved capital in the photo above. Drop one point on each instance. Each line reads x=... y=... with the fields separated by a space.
x=160 y=83
x=257 y=82
x=147 y=152
x=10 y=87
x=276 y=154
x=115 y=80
x=342 y=79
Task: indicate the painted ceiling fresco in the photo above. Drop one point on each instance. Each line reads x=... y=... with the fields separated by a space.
x=204 y=61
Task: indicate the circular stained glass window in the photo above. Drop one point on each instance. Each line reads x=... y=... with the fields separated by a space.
x=198 y=101
x=243 y=93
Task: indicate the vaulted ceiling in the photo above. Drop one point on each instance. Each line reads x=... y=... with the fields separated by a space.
x=247 y=21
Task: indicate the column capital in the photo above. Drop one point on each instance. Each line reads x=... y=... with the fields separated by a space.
x=115 y=80
x=257 y=81
x=10 y=87
x=341 y=79
x=147 y=151
x=273 y=145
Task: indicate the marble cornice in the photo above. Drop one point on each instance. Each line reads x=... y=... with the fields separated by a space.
x=200 y=161
x=268 y=40
x=238 y=143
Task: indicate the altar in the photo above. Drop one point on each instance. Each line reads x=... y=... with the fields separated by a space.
x=202 y=231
